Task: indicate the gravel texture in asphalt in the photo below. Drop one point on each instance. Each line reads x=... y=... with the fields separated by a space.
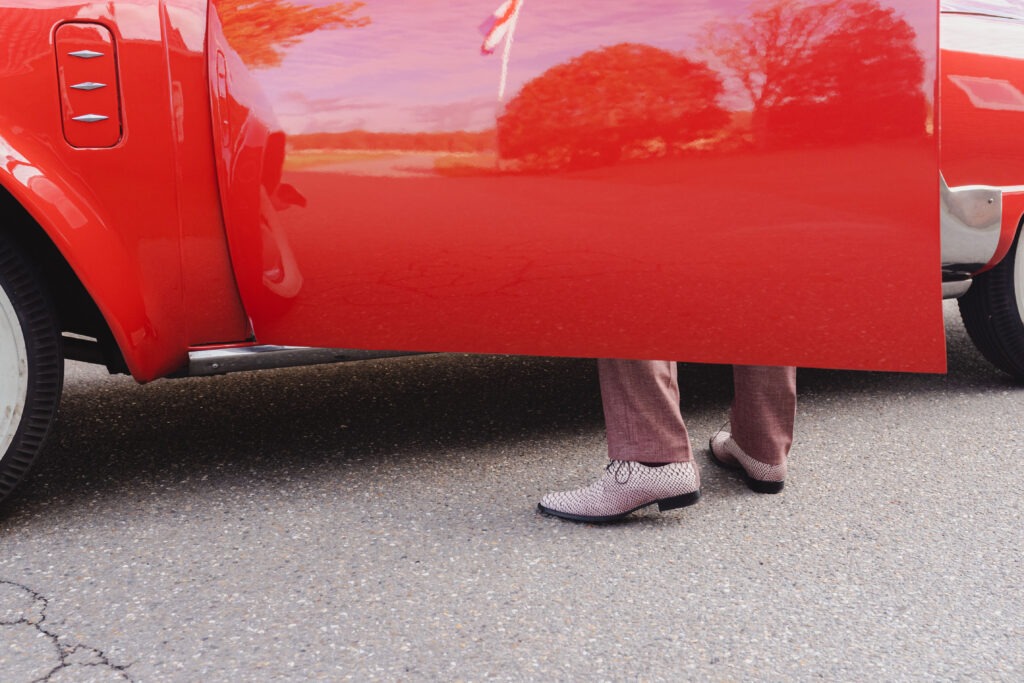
x=377 y=521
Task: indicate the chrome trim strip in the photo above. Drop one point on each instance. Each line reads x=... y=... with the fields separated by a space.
x=955 y=289
x=221 y=361
x=86 y=54
x=89 y=118
x=88 y=85
x=971 y=218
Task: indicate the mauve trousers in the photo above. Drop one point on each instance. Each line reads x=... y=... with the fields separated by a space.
x=641 y=411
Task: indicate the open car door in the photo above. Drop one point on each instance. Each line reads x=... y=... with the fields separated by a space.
x=711 y=181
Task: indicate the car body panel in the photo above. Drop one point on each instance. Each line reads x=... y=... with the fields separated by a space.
x=982 y=89
x=622 y=183
x=139 y=222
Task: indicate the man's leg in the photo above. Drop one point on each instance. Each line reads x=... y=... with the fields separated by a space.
x=764 y=411
x=761 y=425
x=641 y=411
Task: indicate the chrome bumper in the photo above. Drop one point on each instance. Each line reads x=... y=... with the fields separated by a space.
x=972 y=218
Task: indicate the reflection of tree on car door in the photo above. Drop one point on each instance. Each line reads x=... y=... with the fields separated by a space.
x=628 y=101
x=782 y=66
x=261 y=30
x=841 y=61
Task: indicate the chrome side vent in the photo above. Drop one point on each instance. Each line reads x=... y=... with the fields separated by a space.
x=86 y=64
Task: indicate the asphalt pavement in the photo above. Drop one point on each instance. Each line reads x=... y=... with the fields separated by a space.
x=376 y=521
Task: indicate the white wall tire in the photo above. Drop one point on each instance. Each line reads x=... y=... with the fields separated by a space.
x=31 y=366
x=13 y=372
x=993 y=312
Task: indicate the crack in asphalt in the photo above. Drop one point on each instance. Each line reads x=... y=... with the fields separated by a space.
x=68 y=656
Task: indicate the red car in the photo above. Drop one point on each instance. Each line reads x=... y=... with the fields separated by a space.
x=194 y=187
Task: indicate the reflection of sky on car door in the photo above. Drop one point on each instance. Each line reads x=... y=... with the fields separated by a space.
x=410 y=65
x=421 y=69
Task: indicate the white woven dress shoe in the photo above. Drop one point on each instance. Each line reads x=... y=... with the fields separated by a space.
x=760 y=477
x=626 y=487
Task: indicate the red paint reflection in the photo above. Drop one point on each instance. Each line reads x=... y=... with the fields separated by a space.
x=787 y=73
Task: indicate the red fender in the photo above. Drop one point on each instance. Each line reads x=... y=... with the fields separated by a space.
x=139 y=220
x=97 y=254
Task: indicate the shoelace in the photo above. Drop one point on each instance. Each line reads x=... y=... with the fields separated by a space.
x=616 y=467
x=727 y=423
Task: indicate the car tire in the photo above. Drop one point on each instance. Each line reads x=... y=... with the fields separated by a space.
x=993 y=312
x=31 y=365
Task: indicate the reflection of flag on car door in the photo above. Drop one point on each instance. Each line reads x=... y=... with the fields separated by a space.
x=497 y=25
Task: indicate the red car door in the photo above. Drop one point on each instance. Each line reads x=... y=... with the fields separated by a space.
x=713 y=181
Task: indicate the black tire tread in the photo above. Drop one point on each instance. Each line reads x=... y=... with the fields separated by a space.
x=992 y=319
x=24 y=286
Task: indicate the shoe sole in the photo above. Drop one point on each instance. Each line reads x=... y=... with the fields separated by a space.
x=664 y=505
x=755 y=485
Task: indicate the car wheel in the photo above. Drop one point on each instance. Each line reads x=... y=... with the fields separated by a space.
x=31 y=365
x=993 y=312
